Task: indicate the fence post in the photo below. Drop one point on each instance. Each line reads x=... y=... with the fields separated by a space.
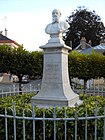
x=44 y=126
x=33 y=116
x=75 y=125
x=14 y=118
x=104 y=125
x=96 y=119
x=6 y=129
x=14 y=88
x=54 y=116
x=86 y=125
x=30 y=87
x=23 y=125
x=2 y=93
x=65 y=124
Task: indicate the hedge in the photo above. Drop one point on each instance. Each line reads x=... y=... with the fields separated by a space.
x=22 y=102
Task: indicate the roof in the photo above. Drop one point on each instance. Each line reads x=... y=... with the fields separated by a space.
x=79 y=47
x=83 y=45
x=99 y=48
x=4 y=39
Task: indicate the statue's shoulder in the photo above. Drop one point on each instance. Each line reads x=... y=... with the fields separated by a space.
x=64 y=24
x=49 y=25
x=48 y=28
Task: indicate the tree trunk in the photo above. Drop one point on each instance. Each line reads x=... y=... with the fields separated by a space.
x=85 y=85
x=20 y=84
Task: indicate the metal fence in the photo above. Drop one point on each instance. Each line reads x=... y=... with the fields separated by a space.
x=92 y=87
x=14 y=89
x=79 y=125
x=74 y=127
x=91 y=92
x=98 y=89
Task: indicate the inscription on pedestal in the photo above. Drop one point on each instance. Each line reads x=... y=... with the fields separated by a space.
x=51 y=72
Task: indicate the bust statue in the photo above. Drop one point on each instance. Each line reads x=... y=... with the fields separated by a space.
x=57 y=27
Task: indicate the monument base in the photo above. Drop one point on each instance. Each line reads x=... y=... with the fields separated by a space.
x=46 y=102
x=55 y=88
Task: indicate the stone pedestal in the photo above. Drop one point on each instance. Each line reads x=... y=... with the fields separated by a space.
x=55 y=88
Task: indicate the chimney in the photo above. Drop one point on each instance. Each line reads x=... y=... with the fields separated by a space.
x=5 y=32
x=83 y=43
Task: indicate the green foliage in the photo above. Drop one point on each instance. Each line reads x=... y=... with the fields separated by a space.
x=5 y=58
x=37 y=63
x=84 y=23
x=19 y=100
x=78 y=66
x=86 y=66
x=91 y=105
x=21 y=62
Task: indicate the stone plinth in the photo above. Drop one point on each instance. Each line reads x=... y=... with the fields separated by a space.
x=55 y=88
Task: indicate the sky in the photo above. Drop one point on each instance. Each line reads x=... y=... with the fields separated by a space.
x=26 y=20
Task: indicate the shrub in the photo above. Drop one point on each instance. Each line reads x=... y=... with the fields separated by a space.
x=23 y=108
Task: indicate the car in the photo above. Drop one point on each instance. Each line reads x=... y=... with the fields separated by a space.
x=15 y=78
x=25 y=79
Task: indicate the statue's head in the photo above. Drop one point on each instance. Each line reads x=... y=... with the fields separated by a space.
x=56 y=14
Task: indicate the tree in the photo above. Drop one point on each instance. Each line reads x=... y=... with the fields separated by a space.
x=79 y=67
x=86 y=66
x=20 y=63
x=5 y=58
x=84 y=23
x=37 y=63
